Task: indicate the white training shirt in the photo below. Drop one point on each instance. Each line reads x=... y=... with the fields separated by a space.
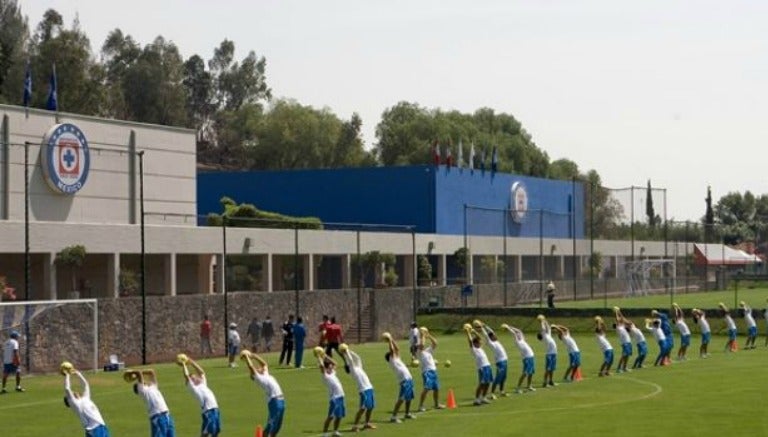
x=153 y=398
x=414 y=337
x=499 y=353
x=524 y=348
x=9 y=348
x=233 y=338
x=481 y=359
x=729 y=322
x=269 y=384
x=658 y=334
x=682 y=327
x=637 y=334
x=426 y=359
x=203 y=394
x=624 y=337
x=550 y=343
x=401 y=371
x=83 y=406
x=703 y=325
x=335 y=390
x=357 y=372
x=748 y=318
x=570 y=343
x=605 y=345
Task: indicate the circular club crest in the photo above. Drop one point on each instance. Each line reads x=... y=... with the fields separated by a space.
x=518 y=202
x=65 y=158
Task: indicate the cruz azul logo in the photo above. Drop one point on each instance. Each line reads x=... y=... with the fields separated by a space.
x=518 y=202
x=65 y=158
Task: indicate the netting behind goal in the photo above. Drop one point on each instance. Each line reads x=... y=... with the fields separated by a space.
x=52 y=332
x=648 y=276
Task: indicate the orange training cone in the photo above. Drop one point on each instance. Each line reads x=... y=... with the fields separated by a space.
x=259 y=432
x=451 y=402
x=577 y=374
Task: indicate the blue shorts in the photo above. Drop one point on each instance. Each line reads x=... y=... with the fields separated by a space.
x=626 y=349
x=529 y=368
x=336 y=408
x=501 y=373
x=685 y=340
x=575 y=359
x=99 y=431
x=485 y=375
x=211 y=422
x=705 y=337
x=162 y=425
x=550 y=362
x=406 y=390
x=233 y=350
x=9 y=368
x=608 y=357
x=367 y=401
x=276 y=408
x=642 y=348
x=430 y=380
x=731 y=334
x=752 y=331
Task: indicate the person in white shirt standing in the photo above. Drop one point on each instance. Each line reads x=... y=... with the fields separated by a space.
x=706 y=334
x=654 y=326
x=404 y=378
x=730 y=326
x=751 y=325
x=574 y=354
x=484 y=373
x=336 y=409
x=499 y=357
x=275 y=399
x=12 y=361
x=364 y=387
x=198 y=385
x=550 y=359
x=160 y=420
x=625 y=340
x=233 y=343
x=413 y=340
x=83 y=406
x=685 y=332
x=428 y=369
x=526 y=353
x=605 y=346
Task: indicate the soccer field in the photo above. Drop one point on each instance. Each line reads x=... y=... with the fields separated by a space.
x=756 y=298
x=721 y=394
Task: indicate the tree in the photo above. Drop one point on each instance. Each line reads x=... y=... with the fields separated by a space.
x=379 y=263
x=72 y=257
x=462 y=258
x=14 y=38
x=118 y=53
x=649 y=212
x=425 y=270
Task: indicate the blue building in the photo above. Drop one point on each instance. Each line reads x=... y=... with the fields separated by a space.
x=440 y=200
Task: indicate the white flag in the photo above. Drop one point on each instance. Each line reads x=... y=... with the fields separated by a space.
x=459 y=158
x=471 y=163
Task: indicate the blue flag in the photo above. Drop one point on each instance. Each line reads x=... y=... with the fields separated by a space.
x=494 y=160
x=28 y=86
x=53 y=101
x=482 y=161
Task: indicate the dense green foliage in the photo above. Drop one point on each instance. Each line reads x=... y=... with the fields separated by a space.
x=245 y=215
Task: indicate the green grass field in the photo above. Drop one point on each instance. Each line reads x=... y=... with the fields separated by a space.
x=701 y=396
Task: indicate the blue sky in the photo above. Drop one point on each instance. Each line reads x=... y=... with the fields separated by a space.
x=672 y=91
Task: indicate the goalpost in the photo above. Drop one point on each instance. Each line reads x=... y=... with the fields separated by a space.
x=649 y=276
x=53 y=331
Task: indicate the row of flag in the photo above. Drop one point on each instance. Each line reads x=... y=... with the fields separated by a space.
x=459 y=162
x=52 y=102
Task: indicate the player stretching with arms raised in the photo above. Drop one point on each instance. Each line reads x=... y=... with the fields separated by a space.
x=730 y=326
x=605 y=346
x=145 y=385
x=364 y=387
x=428 y=369
x=484 y=373
x=336 y=409
x=624 y=339
x=198 y=385
x=526 y=353
x=82 y=405
x=404 y=378
x=685 y=332
x=499 y=356
x=700 y=317
x=545 y=335
x=275 y=399
x=654 y=326
x=751 y=325
x=574 y=354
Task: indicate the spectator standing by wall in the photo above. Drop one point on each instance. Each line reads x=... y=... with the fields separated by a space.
x=299 y=333
x=287 y=350
x=254 y=332
x=267 y=333
x=205 y=337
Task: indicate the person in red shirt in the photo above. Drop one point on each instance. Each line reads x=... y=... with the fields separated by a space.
x=322 y=330
x=333 y=337
x=205 y=336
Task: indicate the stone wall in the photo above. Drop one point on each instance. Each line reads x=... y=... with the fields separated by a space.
x=65 y=333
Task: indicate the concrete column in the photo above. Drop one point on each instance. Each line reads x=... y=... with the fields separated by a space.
x=442 y=269
x=169 y=274
x=218 y=262
x=495 y=271
x=560 y=267
x=616 y=266
x=113 y=275
x=204 y=277
x=470 y=268
x=518 y=260
x=346 y=271
x=266 y=273
x=49 y=276
x=308 y=264
x=409 y=274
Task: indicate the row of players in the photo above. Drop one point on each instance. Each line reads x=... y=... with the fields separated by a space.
x=423 y=345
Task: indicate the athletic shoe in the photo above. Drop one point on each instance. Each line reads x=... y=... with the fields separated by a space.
x=518 y=391
x=552 y=384
x=530 y=389
x=492 y=396
x=410 y=416
x=369 y=426
x=19 y=389
x=422 y=409
x=336 y=434
x=505 y=394
x=439 y=407
x=485 y=401
x=476 y=402
x=395 y=420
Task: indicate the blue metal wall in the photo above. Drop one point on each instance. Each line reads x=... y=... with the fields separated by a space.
x=430 y=198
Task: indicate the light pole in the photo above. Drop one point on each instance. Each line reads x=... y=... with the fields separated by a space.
x=143 y=263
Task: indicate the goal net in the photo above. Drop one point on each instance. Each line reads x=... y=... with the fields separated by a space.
x=648 y=276
x=53 y=331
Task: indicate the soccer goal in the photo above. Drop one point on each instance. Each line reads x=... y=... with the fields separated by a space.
x=54 y=331
x=649 y=276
